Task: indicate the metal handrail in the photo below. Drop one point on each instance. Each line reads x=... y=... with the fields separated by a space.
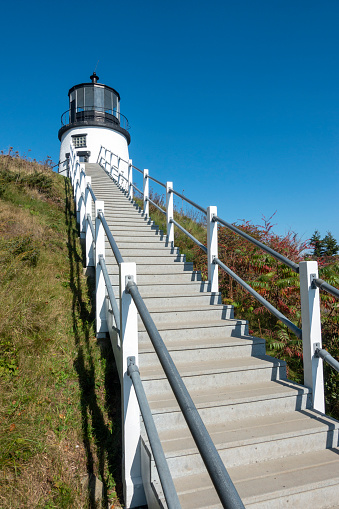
x=261 y=299
x=116 y=169
x=322 y=285
x=123 y=176
x=89 y=187
x=157 y=206
x=204 y=248
x=110 y=292
x=165 y=477
x=157 y=181
x=91 y=227
x=110 y=238
x=57 y=164
x=222 y=482
x=327 y=357
x=135 y=187
x=138 y=169
x=111 y=176
x=278 y=256
x=188 y=201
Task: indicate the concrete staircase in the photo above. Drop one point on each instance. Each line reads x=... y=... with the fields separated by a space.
x=278 y=451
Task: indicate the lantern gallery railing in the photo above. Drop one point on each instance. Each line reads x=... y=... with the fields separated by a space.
x=308 y=273
x=96 y=113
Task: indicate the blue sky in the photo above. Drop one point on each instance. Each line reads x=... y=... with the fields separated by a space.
x=235 y=101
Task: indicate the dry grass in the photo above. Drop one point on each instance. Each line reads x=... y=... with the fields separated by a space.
x=59 y=402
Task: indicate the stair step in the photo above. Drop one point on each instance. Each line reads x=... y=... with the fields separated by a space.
x=180 y=353
x=232 y=403
x=201 y=313
x=142 y=259
x=250 y=440
x=142 y=268
x=216 y=373
x=170 y=303
x=139 y=236
x=154 y=246
x=185 y=331
x=305 y=480
x=162 y=279
x=207 y=342
x=170 y=289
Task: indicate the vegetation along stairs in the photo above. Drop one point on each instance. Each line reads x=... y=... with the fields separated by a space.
x=278 y=451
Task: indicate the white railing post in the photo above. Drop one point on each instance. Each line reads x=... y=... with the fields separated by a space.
x=119 y=178
x=71 y=166
x=212 y=248
x=107 y=164
x=132 y=482
x=111 y=164
x=169 y=213
x=82 y=218
x=100 y=292
x=77 y=190
x=311 y=333
x=130 y=179
x=88 y=212
x=75 y=178
x=146 y=193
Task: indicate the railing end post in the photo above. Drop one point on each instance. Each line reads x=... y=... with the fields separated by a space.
x=146 y=192
x=212 y=248
x=131 y=414
x=311 y=333
x=169 y=213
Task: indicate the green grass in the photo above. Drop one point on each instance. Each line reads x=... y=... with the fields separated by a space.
x=60 y=398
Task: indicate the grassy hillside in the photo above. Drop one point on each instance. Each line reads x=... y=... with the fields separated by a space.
x=59 y=393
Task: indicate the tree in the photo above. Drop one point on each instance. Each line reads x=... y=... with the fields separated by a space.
x=329 y=245
x=316 y=243
x=323 y=247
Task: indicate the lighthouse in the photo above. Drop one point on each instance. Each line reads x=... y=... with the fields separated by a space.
x=92 y=120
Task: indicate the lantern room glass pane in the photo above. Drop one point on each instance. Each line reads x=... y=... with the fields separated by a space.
x=115 y=103
x=108 y=101
x=89 y=98
x=99 y=98
x=80 y=99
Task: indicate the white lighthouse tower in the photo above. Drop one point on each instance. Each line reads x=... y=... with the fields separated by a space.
x=93 y=120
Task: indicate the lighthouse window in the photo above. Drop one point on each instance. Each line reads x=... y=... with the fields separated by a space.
x=79 y=141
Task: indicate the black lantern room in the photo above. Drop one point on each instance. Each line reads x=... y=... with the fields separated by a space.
x=94 y=104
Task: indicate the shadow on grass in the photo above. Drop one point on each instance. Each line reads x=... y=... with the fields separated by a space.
x=98 y=427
